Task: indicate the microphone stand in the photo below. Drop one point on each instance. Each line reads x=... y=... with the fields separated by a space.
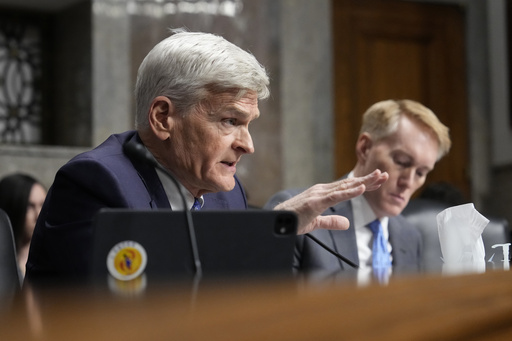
x=139 y=152
x=346 y=260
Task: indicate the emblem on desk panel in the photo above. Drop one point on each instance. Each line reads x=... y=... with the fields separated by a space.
x=126 y=260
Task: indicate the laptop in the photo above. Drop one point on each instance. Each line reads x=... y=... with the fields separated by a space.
x=155 y=245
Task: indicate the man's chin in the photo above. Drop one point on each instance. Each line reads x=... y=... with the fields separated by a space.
x=224 y=186
x=396 y=211
x=392 y=210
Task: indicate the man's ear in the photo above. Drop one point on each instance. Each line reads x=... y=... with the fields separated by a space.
x=363 y=145
x=161 y=117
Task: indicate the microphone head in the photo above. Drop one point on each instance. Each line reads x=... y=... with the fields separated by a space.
x=138 y=152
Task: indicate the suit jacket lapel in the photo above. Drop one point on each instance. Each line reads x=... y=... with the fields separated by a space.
x=158 y=198
x=212 y=201
x=401 y=252
x=345 y=241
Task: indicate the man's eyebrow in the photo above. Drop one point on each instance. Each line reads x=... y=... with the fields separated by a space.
x=402 y=153
x=240 y=113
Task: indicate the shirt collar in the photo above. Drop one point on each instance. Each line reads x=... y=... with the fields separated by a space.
x=173 y=194
x=363 y=213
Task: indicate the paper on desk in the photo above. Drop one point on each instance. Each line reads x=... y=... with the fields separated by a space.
x=460 y=235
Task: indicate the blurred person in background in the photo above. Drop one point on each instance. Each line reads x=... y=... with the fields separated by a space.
x=21 y=197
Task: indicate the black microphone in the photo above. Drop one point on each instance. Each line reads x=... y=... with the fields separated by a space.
x=345 y=259
x=138 y=152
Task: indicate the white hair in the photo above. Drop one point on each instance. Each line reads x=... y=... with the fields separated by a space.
x=188 y=67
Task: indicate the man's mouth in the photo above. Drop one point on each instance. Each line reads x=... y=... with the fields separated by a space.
x=398 y=197
x=228 y=163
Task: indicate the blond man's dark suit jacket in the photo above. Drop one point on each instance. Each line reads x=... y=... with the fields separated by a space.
x=309 y=256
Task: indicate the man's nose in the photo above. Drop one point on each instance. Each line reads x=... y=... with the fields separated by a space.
x=244 y=142
x=406 y=178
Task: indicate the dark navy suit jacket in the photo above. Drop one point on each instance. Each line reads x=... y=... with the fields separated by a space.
x=102 y=177
x=310 y=257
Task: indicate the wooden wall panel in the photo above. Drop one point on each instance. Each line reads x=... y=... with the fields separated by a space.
x=393 y=50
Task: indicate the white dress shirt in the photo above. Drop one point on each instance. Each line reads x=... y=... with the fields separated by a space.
x=364 y=215
x=173 y=194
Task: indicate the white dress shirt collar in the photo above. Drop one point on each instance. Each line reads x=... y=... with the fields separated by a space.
x=363 y=215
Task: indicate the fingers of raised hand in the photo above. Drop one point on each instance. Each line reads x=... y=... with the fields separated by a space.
x=371 y=181
x=330 y=222
x=375 y=179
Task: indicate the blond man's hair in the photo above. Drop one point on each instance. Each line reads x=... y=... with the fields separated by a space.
x=381 y=120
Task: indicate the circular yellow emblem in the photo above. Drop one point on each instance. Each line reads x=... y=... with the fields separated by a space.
x=126 y=260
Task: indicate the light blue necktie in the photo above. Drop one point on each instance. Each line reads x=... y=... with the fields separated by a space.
x=197 y=205
x=381 y=260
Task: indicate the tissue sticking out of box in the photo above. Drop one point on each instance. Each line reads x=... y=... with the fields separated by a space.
x=460 y=235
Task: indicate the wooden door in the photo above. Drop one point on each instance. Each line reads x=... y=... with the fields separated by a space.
x=399 y=49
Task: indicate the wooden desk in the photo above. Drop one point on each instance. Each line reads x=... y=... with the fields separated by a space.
x=466 y=307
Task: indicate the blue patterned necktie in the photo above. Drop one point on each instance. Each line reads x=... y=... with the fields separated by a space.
x=197 y=205
x=381 y=260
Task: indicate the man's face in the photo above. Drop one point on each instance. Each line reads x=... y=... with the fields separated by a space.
x=208 y=142
x=408 y=156
x=35 y=203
